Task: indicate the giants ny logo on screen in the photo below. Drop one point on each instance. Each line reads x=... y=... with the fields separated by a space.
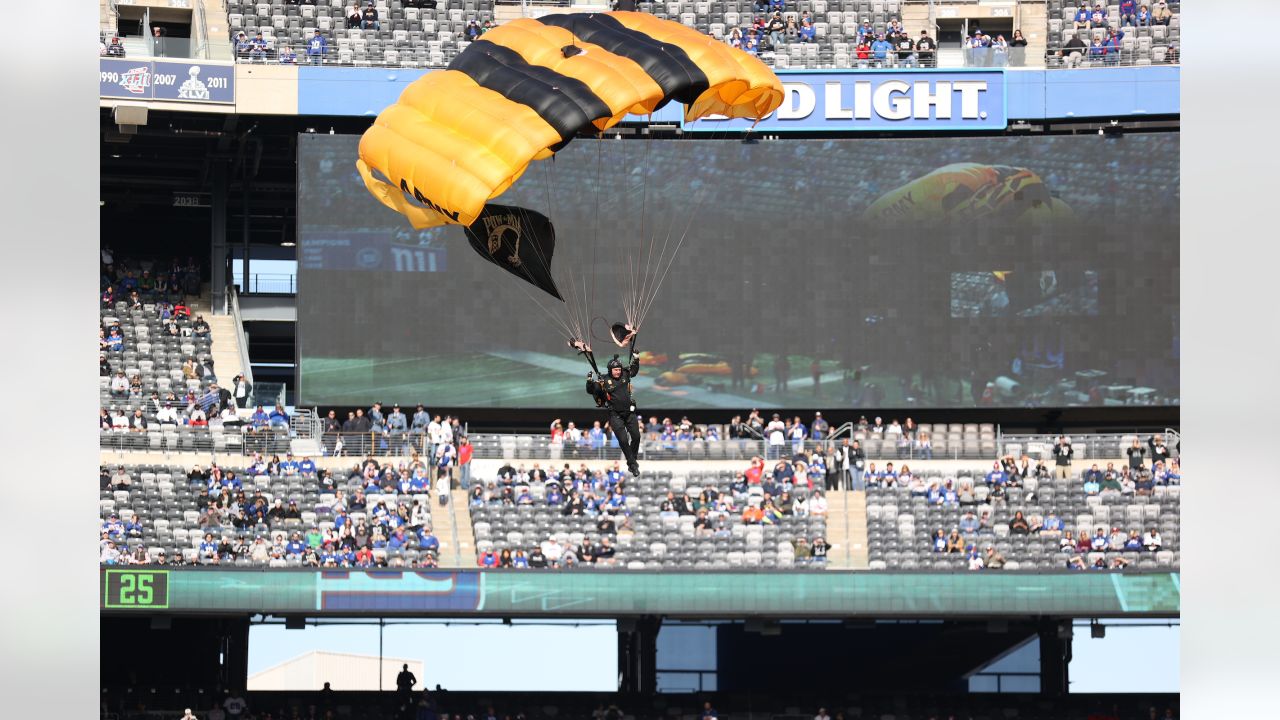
x=881 y=100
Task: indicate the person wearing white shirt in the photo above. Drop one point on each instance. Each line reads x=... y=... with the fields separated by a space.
x=186 y=715
x=421 y=516
x=800 y=508
x=822 y=715
x=119 y=421
x=818 y=504
x=553 y=551
x=434 y=430
x=167 y=416
x=776 y=432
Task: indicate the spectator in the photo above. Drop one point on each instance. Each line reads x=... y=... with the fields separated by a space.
x=955 y=543
x=775 y=28
x=1018 y=49
x=352 y=14
x=735 y=38
x=1112 y=47
x=906 y=58
x=1019 y=525
x=822 y=715
x=820 y=549
x=808 y=35
x=974 y=558
x=1062 y=454
x=1128 y=12
x=926 y=49
x=1171 y=55
x=473 y=30
x=1143 y=18
x=1073 y=51
x=405 y=682
x=1098 y=18
x=1000 y=51
x=1160 y=13
x=994 y=560
x=119 y=386
x=115 y=49
x=115 y=341
x=1099 y=541
x=1052 y=525
x=880 y=50
x=980 y=49
x=866 y=32
x=792 y=31
x=243 y=392
x=464 y=453
x=939 y=541
x=317 y=48
x=287 y=56
x=863 y=51
x=1081 y=20
x=200 y=327
x=369 y=18
x=1159 y=452
x=258 y=48
x=1151 y=541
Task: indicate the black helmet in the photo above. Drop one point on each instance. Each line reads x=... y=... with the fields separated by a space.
x=615 y=363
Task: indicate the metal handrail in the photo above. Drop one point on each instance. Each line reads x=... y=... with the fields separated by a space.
x=233 y=302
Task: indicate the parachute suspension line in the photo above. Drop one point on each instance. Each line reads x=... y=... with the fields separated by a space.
x=572 y=301
x=622 y=247
x=644 y=203
x=595 y=238
x=557 y=317
x=648 y=288
x=644 y=312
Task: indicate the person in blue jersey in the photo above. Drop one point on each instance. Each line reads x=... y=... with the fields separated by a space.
x=317 y=48
x=427 y=542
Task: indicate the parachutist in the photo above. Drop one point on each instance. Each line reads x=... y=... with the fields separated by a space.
x=613 y=393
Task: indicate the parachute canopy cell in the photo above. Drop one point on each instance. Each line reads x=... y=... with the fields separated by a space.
x=460 y=137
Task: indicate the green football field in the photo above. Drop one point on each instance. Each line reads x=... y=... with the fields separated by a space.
x=518 y=379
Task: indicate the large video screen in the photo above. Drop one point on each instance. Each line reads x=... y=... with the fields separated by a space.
x=930 y=272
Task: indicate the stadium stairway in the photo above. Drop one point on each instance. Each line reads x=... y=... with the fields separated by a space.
x=441 y=527
x=226 y=344
x=847 y=529
x=461 y=521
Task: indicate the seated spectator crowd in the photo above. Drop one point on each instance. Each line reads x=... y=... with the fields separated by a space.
x=567 y=517
x=1099 y=519
x=272 y=512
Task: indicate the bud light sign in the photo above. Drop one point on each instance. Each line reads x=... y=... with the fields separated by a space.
x=880 y=100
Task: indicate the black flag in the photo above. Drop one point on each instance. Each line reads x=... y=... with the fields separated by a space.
x=517 y=240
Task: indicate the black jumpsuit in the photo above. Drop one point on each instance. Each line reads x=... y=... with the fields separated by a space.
x=614 y=394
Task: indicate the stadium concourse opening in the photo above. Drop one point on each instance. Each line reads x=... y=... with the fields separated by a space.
x=909 y=397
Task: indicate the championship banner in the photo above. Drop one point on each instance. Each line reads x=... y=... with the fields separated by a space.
x=170 y=81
